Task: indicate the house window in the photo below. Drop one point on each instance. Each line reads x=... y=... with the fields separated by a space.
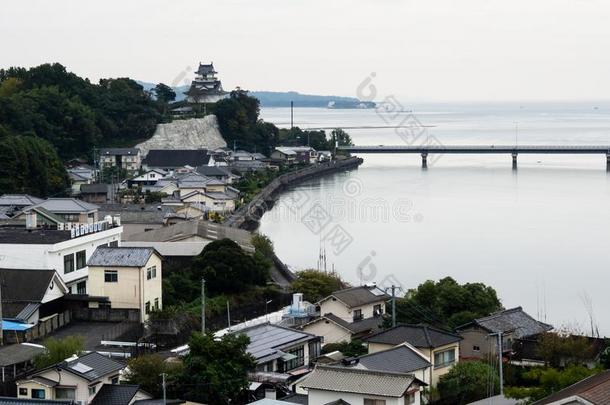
x=368 y=401
x=314 y=350
x=111 y=276
x=115 y=380
x=444 y=358
x=81 y=288
x=92 y=390
x=377 y=311
x=476 y=348
x=156 y=303
x=147 y=307
x=23 y=392
x=114 y=243
x=410 y=398
x=65 y=393
x=151 y=272
x=68 y=263
x=38 y=393
x=298 y=361
x=81 y=259
x=357 y=314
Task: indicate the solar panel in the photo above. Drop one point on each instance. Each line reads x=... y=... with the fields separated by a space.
x=81 y=368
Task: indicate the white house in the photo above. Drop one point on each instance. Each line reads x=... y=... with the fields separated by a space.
x=331 y=384
x=78 y=378
x=355 y=304
x=66 y=252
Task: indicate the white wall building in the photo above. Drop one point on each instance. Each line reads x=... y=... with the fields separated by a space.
x=63 y=251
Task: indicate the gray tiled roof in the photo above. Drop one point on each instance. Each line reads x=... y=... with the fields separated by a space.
x=115 y=394
x=67 y=205
x=357 y=296
x=266 y=341
x=121 y=256
x=400 y=359
x=19 y=353
x=415 y=335
x=20 y=200
x=513 y=320
x=23 y=287
x=135 y=213
x=94 y=188
x=28 y=401
x=364 y=325
x=594 y=389
x=341 y=379
x=99 y=364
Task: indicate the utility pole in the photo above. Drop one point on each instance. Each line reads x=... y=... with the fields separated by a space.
x=500 y=364
x=202 y=305
x=393 y=305
x=164 y=390
x=228 y=315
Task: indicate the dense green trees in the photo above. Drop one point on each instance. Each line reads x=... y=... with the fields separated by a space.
x=468 y=382
x=447 y=303
x=73 y=114
x=30 y=165
x=146 y=371
x=354 y=348
x=316 y=285
x=216 y=370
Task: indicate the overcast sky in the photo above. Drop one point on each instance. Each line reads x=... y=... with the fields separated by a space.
x=421 y=50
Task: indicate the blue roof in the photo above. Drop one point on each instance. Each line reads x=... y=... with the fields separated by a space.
x=15 y=326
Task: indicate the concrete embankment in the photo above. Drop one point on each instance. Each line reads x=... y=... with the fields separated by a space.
x=248 y=216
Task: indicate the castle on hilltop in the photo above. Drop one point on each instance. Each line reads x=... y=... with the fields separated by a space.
x=206 y=88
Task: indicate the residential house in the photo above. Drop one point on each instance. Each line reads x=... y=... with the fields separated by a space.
x=62 y=250
x=593 y=390
x=29 y=295
x=72 y=210
x=171 y=159
x=355 y=304
x=340 y=385
x=129 y=276
x=295 y=154
x=121 y=394
x=279 y=349
x=11 y=204
x=441 y=347
x=77 y=378
x=480 y=335
x=79 y=175
x=17 y=360
x=137 y=218
x=218 y=173
x=98 y=193
x=335 y=329
x=148 y=178
x=325 y=156
x=241 y=155
x=127 y=159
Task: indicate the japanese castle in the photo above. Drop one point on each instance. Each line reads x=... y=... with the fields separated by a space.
x=205 y=88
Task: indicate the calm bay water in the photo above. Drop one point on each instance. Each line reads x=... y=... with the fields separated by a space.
x=540 y=236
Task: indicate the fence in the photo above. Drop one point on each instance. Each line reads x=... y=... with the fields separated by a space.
x=44 y=327
x=106 y=314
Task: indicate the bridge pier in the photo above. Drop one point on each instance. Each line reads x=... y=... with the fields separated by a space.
x=424 y=160
x=514 y=154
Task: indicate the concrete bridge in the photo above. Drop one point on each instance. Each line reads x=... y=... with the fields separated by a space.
x=514 y=151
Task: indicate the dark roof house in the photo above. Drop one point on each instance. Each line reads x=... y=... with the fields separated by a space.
x=421 y=336
x=123 y=394
x=399 y=359
x=358 y=296
x=174 y=158
x=514 y=321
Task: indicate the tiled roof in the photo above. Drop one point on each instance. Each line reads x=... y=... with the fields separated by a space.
x=29 y=401
x=266 y=341
x=90 y=366
x=513 y=320
x=364 y=325
x=32 y=236
x=341 y=379
x=115 y=394
x=357 y=296
x=19 y=353
x=120 y=256
x=400 y=359
x=415 y=335
x=94 y=188
x=595 y=389
x=67 y=205
x=176 y=157
x=136 y=214
x=22 y=287
x=20 y=200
